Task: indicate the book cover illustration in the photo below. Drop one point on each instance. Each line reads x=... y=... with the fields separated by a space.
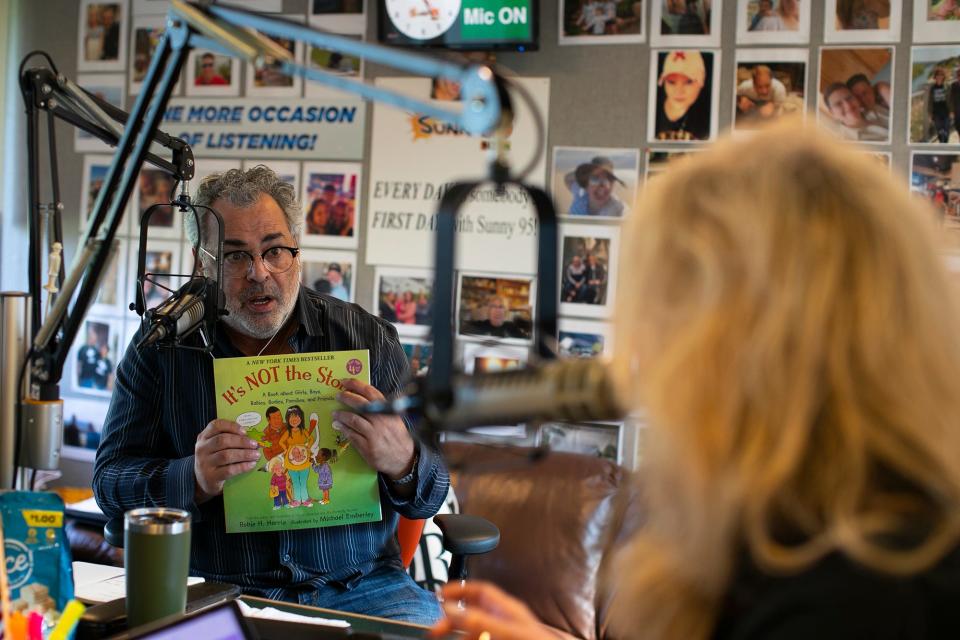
x=308 y=475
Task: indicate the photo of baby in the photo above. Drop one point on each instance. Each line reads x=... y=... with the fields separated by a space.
x=856 y=93
x=683 y=103
x=768 y=89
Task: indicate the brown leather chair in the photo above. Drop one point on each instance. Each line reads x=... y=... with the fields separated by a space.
x=560 y=518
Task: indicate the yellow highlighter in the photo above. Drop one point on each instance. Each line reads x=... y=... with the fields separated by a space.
x=68 y=620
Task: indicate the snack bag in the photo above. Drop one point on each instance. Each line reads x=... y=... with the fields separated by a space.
x=37 y=554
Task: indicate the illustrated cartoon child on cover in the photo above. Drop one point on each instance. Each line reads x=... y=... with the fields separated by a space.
x=270 y=441
x=321 y=465
x=279 y=482
x=296 y=447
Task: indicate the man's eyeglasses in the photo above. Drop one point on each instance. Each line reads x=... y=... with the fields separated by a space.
x=598 y=180
x=275 y=259
x=207 y=65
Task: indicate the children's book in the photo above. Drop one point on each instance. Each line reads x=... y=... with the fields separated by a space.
x=308 y=475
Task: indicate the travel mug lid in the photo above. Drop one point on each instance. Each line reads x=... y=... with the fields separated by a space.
x=157 y=521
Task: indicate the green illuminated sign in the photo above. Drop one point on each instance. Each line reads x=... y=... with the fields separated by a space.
x=496 y=19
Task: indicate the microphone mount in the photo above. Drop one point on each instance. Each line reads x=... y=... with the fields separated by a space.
x=206 y=289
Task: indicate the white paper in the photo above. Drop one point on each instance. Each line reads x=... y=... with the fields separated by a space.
x=98 y=583
x=272 y=613
x=86 y=506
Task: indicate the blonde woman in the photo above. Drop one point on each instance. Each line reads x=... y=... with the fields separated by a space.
x=791 y=331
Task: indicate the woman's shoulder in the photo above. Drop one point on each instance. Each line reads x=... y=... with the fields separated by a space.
x=838 y=598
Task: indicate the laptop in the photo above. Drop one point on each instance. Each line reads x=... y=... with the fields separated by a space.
x=225 y=621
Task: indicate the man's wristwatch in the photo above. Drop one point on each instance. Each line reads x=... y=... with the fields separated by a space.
x=407 y=479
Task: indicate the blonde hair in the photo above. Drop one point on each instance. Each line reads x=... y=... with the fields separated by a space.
x=789 y=328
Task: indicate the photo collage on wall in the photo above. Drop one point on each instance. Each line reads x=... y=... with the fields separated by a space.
x=116 y=42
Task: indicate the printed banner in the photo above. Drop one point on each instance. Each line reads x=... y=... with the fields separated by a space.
x=414 y=159
x=329 y=128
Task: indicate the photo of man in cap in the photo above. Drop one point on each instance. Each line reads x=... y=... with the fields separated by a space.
x=683 y=95
x=335 y=279
x=591 y=184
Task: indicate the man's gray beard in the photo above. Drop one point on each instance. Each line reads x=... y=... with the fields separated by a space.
x=262 y=327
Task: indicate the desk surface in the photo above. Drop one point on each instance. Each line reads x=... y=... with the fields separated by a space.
x=367 y=624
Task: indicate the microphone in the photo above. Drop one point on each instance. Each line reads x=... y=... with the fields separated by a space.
x=568 y=390
x=178 y=316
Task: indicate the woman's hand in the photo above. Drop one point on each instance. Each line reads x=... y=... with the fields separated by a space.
x=490 y=614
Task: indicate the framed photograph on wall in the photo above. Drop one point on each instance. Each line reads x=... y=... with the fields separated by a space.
x=83 y=419
x=496 y=306
x=331 y=272
x=154 y=7
x=883 y=157
x=419 y=354
x=112 y=296
x=212 y=74
x=338 y=16
x=478 y=357
x=403 y=296
x=333 y=62
x=155 y=187
x=588 y=274
x=683 y=102
x=209 y=166
x=102 y=35
x=331 y=204
x=619 y=22
x=144 y=38
x=936 y=21
x=95 y=355
x=856 y=93
x=863 y=20
x=269 y=80
x=934 y=95
x=770 y=84
x=935 y=177
x=163 y=265
x=598 y=439
x=288 y=170
x=773 y=21
x=583 y=338
x=685 y=23
x=659 y=160
x=595 y=182
x=95 y=168
x=106 y=86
